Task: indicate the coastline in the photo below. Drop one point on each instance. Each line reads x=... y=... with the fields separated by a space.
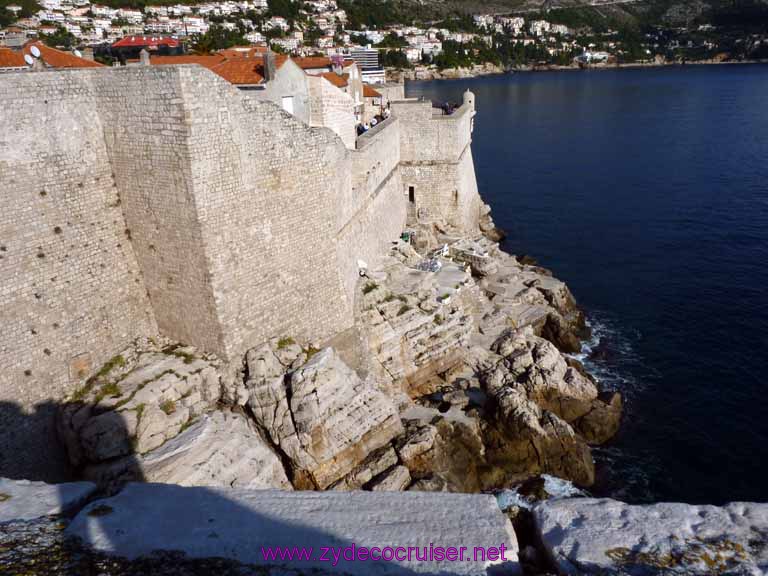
x=429 y=74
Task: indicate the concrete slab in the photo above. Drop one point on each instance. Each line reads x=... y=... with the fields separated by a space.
x=236 y=524
x=26 y=500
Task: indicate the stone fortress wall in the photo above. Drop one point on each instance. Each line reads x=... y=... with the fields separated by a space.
x=436 y=162
x=162 y=200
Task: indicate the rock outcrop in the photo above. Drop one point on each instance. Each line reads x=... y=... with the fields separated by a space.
x=415 y=327
x=222 y=448
x=493 y=353
x=464 y=345
x=321 y=416
x=137 y=402
x=591 y=536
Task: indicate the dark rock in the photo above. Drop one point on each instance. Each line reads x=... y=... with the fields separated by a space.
x=602 y=422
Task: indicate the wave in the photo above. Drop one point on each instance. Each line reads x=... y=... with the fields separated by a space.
x=611 y=356
x=557 y=488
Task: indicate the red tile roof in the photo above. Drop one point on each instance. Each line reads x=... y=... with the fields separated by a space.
x=239 y=68
x=243 y=52
x=149 y=41
x=54 y=58
x=369 y=92
x=312 y=62
x=11 y=59
x=338 y=80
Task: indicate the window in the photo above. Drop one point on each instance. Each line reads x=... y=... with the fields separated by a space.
x=288 y=104
x=411 y=194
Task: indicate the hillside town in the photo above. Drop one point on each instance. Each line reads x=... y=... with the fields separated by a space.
x=324 y=28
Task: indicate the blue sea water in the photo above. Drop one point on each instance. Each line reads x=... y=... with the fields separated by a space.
x=647 y=192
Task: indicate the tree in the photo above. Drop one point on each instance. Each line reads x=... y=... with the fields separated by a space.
x=392 y=40
x=394 y=59
x=217 y=38
x=59 y=39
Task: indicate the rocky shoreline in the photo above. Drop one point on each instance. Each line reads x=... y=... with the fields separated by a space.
x=455 y=378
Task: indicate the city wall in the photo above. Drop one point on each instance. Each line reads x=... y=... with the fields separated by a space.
x=436 y=162
x=161 y=200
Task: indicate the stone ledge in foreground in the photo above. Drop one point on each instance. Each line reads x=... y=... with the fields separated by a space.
x=27 y=500
x=602 y=536
x=236 y=523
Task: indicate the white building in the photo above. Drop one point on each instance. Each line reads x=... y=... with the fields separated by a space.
x=539 y=27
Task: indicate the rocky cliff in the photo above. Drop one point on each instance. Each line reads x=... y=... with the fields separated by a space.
x=456 y=377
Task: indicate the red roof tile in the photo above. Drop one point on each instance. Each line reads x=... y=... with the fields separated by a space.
x=54 y=58
x=11 y=59
x=205 y=60
x=338 y=80
x=312 y=62
x=370 y=92
x=238 y=68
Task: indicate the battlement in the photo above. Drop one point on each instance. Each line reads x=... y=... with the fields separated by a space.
x=436 y=162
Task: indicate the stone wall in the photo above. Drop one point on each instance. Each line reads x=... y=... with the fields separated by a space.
x=71 y=290
x=267 y=191
x=332 y=108
x=436 y=162
x=146 y=200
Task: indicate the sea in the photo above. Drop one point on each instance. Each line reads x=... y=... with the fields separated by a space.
x=646 y=190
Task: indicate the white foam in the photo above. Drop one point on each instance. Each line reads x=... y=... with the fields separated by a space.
x=557 y=488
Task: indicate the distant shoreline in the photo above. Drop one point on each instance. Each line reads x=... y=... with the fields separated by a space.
x=466 y=73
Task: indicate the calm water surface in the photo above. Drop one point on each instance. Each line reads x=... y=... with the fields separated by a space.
x=647 y=191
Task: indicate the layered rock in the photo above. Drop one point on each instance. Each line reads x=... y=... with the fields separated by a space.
x=321 y=416
x=135 y=406
x=523 y=294
x=222 y=448
x=591 y=536
x=415 y=325
x=524 y=407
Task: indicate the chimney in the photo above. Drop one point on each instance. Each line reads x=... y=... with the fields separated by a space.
x=144 y=57
x=270 y=67
x=88 y=53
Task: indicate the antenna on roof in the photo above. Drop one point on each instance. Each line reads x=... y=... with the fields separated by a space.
x=29 y=60
x=78 y=53
x=35 y=51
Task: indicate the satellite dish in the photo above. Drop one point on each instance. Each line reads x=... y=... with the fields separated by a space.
x=28 y=59
x=78 y=53
x=35 y=51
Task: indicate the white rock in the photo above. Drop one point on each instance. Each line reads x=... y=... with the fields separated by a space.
x=339 y=419
x=222 y=449
x=591 y=536
x=392 y=480
x=236 y=524
x=26 y=500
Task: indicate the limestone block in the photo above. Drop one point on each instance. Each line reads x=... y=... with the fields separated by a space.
x=393 y=480
x=236 y=523
x=26 y=500
x=601 y=536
